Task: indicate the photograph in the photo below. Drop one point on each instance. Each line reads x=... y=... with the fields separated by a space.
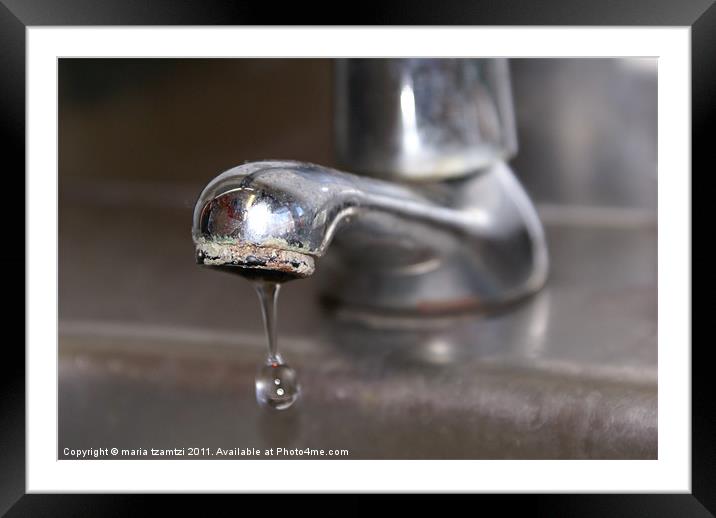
x=401 y=258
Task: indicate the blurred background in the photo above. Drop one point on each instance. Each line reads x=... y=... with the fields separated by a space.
x=157 y=352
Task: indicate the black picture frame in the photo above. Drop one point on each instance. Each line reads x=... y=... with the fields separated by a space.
x=17 y=15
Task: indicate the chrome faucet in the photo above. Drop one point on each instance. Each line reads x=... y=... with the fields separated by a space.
x=442 y=226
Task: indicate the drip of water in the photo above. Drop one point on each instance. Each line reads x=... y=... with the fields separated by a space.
x=276 y=383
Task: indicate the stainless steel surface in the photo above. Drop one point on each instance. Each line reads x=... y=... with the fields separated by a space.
x=155 y=352
x=438 y=247
x=587 y=127
x=587 y=131
x=418 y=119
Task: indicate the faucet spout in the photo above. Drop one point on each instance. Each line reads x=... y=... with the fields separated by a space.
x=436 y=246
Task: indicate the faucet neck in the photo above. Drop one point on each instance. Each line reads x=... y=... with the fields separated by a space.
x=422 y=119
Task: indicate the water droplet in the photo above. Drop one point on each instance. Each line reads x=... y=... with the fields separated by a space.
x=275 y=395
x=276 y=383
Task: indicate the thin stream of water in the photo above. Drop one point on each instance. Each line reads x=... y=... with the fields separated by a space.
x=268 y=299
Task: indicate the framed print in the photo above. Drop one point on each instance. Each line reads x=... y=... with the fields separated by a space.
x=446 y=252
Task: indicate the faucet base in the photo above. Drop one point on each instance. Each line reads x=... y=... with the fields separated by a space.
x=386 y=263
x=445 y=286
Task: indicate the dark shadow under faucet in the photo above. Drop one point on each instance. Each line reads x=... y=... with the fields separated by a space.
x=443 y=226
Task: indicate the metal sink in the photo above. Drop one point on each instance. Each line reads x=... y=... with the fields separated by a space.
x=147 y=358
